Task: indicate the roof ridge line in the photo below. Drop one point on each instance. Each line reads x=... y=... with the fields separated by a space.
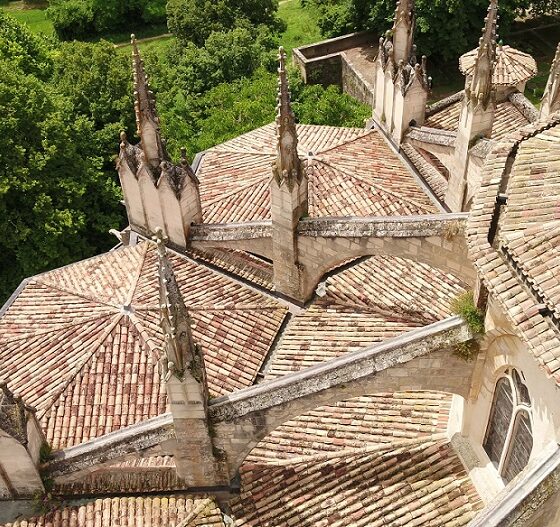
x=367 y=132
x=79 y=295
x=261 y=180
x=107 y=314
x=134 y=285
x=376 y=448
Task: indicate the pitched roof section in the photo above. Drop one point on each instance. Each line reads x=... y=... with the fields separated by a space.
x=369 y=302
x=372 y=461
x=369 y=178
x=131 y=511
x=81 y=343
x=507 y=119
x=511 y=68
x=521 y=268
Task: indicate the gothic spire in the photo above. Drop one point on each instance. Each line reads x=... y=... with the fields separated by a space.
x=403 y=30
x=288 y=165
x=551 y=97
x=479 y=87
x=147 y=120
x=174 y=318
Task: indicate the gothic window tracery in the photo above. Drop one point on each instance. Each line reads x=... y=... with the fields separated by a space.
x=509 y=437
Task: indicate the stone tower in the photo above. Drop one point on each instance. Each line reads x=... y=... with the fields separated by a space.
x=288 y=190
x=184 y=373
x=157 y=193
x=477 y=110
x=551 y=97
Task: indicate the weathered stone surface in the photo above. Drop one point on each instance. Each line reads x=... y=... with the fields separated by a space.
x=393 y=226
x=418 y=360
x=531 y=499
x=91 y=454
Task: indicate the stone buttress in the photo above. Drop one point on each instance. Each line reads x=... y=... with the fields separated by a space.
x=478 y=110
x=288 y=190
x=401 y=83
x=182 y=363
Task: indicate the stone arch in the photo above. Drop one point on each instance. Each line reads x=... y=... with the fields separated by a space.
x=319 y=255
x=420 y=360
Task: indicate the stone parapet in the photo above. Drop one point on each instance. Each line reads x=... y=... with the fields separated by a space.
x=392 y=226
x=231 y=231
x=531 y=499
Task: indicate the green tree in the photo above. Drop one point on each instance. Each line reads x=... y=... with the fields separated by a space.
x=62 y=109
x=195 y=20
x=445 y=28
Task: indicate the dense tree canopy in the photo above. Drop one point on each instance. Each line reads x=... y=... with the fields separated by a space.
x=462 y=20
x=195 y=20
x=58 y=191
x=63 y=105
x=82 y=19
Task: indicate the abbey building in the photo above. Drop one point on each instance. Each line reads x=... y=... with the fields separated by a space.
x=274 y=340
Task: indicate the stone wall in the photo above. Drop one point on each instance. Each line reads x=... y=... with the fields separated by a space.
x=321 y=63
x=355 y=85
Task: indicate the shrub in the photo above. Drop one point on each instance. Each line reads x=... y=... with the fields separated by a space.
x=195 y=20
x=463 y=305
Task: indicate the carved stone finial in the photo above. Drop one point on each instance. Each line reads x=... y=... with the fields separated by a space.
x=147 y=120
x=551 y=96
x=180 y=350
x=288 y=166
x=403 y=31
x=479 y=88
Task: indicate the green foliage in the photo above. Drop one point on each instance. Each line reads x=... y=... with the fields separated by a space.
x=225 y=57
x=58 y=190
x=45 y=452
x=195 y=20
x=82 y=19
x=317 y=105
x=464 y=306
x=301 y=26
x=462 y=20
x=26 y=51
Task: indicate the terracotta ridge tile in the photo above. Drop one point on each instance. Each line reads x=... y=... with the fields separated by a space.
x=222 y=197
x=136 y=279
x=317 y=154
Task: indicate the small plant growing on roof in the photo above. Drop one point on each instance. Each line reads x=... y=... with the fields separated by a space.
x=464 y=306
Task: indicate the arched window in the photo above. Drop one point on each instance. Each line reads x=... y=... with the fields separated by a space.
x=509 y=437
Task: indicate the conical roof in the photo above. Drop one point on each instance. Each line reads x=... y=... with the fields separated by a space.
x=512 y=66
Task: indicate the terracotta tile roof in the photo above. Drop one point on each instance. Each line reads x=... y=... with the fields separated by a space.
x=511 y=68
x=242 y=264
x=80 y=343
x=429 y=168
x=369 y=302
x=522 y=272
x=368 y=176
x=378 y=460
x=132 y=511
x=142 y=474
x=507 y=119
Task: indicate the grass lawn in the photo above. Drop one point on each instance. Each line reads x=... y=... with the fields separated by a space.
x=36 y=19
x=302 y=26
